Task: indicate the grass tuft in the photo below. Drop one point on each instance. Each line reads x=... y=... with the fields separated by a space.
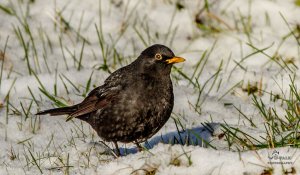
x=279 y=130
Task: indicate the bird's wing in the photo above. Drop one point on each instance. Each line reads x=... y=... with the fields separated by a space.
x=101 y=96
x=97 y=99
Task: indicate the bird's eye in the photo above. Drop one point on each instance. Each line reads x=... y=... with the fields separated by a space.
x=158 y=56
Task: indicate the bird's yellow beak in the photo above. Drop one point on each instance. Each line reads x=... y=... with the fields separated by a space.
x=175 y=60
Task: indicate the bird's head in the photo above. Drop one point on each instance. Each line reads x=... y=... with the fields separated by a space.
x=157 y=60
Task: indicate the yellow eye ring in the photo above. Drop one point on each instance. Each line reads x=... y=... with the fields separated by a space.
x=158 y=56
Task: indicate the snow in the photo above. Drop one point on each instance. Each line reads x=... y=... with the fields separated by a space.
x=204 y=161
x=49 y=145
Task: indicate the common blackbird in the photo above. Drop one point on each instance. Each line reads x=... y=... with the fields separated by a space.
x=134 y=102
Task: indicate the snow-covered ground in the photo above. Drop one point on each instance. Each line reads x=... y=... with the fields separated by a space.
x=244 y=45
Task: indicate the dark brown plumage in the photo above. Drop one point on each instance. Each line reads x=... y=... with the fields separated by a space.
x=133 y=103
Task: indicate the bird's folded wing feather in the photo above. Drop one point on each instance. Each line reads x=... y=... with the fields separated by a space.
x=97 y=99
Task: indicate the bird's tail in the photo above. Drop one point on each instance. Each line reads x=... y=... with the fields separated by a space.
x=59 y=111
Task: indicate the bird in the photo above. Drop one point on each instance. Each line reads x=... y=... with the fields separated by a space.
x=133 y=103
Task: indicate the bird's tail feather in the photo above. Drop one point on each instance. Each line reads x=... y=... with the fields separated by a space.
x=59 y=111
